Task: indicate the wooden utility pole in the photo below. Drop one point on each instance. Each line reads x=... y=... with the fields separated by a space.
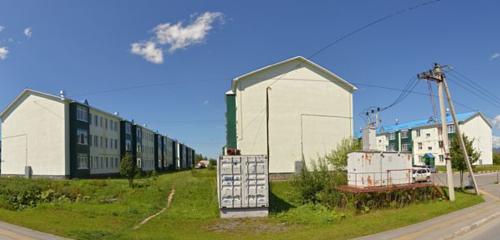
x=437 y=76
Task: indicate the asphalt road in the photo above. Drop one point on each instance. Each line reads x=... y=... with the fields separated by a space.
x=482 y=179
x=490 y=230
x=446 y=226
x=13 y=232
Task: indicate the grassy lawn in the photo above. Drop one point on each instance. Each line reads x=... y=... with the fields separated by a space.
x=476 y=169
x=110 y=210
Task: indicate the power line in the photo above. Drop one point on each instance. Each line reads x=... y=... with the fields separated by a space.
x=377 y=21
x=478 y=88
x=479 y=95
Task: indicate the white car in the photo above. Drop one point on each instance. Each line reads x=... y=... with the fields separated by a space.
x=421 y=175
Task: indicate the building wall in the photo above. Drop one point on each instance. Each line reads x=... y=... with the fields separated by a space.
x=478 y=130
x=426 y=140
x=382 y=142
x=148 y=154
x=36 y=135
x=105 y=143
x=308 y=115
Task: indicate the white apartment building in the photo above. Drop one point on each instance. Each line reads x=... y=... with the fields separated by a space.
x=423 y=137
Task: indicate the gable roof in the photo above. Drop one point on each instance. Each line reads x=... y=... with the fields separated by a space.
x=340 y=80
x=24 y=93
x=461 y=117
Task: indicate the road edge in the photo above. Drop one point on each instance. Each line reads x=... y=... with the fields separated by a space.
x=472 y=226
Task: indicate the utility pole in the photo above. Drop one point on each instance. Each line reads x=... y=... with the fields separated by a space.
x=437 y=76
x=460 y=137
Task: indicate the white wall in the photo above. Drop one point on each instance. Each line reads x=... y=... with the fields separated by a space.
x=429 y=137
x=99 y=153
x=34 y=134
x=477 y=129
x=309 y=115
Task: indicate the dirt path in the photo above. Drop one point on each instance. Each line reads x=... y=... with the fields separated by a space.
x=169 y=202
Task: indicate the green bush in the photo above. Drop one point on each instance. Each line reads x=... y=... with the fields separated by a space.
x=496 y=158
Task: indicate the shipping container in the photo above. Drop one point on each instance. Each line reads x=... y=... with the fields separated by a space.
x=243 y=187
x=372 y=169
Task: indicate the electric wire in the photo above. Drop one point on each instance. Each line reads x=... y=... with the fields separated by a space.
x=474 y=83
x=377 y=21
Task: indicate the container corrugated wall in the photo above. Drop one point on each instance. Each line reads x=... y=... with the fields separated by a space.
x=243 y=185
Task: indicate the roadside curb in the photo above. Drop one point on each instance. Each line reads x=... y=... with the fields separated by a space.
x=472 y=226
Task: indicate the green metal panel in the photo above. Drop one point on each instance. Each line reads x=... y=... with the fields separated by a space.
x=231 y=121
x=74 y=148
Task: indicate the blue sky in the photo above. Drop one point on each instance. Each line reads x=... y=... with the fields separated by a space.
x=196 y=48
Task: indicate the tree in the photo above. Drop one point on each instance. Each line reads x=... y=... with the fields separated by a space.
x=496 y=158
x=458 y=159
x=338 y=157
x=128 y=168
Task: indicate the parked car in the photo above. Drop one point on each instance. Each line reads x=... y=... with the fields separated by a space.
x=421 y=175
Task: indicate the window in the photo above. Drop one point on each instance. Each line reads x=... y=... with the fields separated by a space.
x=405 y=147
x=404 y=134
x=91 y=159
x=102 y=162
x=96 y=120
x=128 y=128
x=106 y=123
x=102 y=142
x=441 y=158
x=428 y=135
x=429 y=148
x=90 y=138
x=96 y=141
x=451 y=128
x=417 y=132
x=90 y=120
x=107 y=162
x=139 y=133
x=139 y=148
x=82 y=136
x=102 y=121
x=139 y=163
x=128 y=145
x=81 y=113
x=392 y=148
x=420 y=147
x=117 y=162
x=83 y=161
x=106 y=143
x=392 y=136
x=111 y=125
x=116 y=143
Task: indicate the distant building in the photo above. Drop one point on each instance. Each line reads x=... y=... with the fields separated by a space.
x=422 y=138
x=54 y=136
x=310 y=112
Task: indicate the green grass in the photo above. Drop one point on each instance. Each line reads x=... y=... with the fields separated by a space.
x=476 y=168
x=113 y=210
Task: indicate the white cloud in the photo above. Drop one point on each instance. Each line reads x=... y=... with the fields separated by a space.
x=28 y=32
x=496 y=142
x=180 y=36
x=2 y=28
x=496 y=122
x=494 y=56
x=176 y=36
x=205 y=102
x=3 y=53
x=148 y=51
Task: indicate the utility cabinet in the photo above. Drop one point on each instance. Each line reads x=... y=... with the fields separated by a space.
x=243 y=186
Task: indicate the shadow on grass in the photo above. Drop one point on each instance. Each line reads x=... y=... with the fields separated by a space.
x=277 y=204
